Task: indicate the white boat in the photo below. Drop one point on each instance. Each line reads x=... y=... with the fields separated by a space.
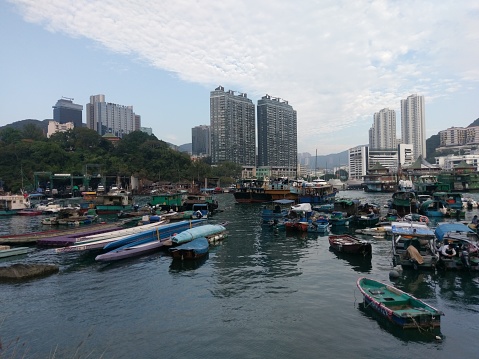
x=98 y=241
x=11 y=204
x=7 y=251
x=378 y=232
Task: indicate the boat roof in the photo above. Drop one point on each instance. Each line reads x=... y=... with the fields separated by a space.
x=445 y=228
x=405 y=228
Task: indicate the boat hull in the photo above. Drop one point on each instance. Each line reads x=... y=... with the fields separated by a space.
x=346 y=243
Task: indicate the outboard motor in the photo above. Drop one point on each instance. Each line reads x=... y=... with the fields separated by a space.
x=465 y=259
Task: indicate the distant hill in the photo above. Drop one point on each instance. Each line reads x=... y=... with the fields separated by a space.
x=18 y=125
x=330 y=161
x=187 y=147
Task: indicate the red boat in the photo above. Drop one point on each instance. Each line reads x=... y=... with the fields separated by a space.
x=347 y=243
x=29 y=212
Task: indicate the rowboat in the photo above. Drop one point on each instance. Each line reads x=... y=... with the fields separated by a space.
x=197 y=248
x=397 y=306
x=347 y=243
x=7 y=251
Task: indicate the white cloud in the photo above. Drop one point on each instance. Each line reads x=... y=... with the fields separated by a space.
x=336 y=62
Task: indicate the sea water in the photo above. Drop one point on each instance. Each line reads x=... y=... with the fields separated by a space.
x=260 y=294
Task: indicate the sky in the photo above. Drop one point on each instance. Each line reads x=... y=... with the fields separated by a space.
x=336 y=62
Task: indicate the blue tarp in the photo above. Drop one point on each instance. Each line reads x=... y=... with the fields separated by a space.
x=443 y=229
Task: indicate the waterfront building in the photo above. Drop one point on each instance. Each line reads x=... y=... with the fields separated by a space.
x=54 y=127
x=413 y=124
x=405 y=154
x=105 y=117
x=66 y=111
x=449 y=162
x=383 y=132
x=232 y=126
x=200 y=140
x=277 y=134
x=358 y=162
x=387 y=157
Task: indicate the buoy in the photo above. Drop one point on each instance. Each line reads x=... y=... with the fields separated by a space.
x=394 y=274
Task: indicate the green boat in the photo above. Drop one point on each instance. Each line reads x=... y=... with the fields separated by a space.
x=167 y=201
x=401 y=308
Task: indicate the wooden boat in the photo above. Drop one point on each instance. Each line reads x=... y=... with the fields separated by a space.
x=197 y=248
x=404 y=202
x=413 y=245
x=7 y=251
x=465 y=242
x=397 y=306
x=347 y=243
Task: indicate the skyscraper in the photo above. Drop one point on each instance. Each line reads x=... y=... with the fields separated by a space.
x=232 y=126
x=413 y=124
x=383 y=132
x=66 y=111
x=277 y=133
x=105 y=117
x=200 y=140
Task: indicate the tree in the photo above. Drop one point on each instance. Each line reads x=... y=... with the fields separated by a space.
x=32 y=132
x=9 y=135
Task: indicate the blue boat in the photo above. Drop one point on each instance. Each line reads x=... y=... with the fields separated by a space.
x=197 y=248
x=207 y=230
x=161 y=233
x=275 y=211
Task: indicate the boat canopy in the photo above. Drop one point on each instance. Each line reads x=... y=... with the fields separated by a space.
x=415 y=230
x=302 y=207
x=443 y=229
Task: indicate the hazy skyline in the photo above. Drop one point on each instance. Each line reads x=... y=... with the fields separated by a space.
x=336 y=62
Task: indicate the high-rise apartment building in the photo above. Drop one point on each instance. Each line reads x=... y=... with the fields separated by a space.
x=383 y=133
x=66 y=111
x=200 y=140
x=413 y=124
x=232 y=127
x=105 y=117
x=277 y=133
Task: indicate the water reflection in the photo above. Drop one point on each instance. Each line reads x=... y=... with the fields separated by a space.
x=405 y=335
x=358 y=263
x=178 y=265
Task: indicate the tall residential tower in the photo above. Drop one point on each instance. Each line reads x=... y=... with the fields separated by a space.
x=105 y=117
x=413 y=124
x=200 y=140
x=383 y=132
x=232 y=126
x=66 y=111
x=277 y=134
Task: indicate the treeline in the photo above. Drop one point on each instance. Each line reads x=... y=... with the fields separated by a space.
x=26 y=151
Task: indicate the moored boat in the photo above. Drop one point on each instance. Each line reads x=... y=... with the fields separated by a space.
x=413 y=245
x=197 y=248
x=114 y=202
x=347 y=243
x=7 y=251
x=401 y=308
x=11 y=204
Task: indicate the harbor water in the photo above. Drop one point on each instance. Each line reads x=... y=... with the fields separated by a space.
x=260 y=294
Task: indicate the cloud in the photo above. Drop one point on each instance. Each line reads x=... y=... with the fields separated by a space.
x=336 y=62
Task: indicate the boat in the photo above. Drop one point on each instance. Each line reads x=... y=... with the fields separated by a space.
x=195 y=249
x=435 y=208
x=100 y=240
x=404 y=202
x=453 y=199
x=206 y=230
x=251 y=190
x=376 y=232
x=71 y=216
x=465 y=242
x=114 y=202
x=11 y=204
x=7 y=251
x=168 y=201
x=339 y=218
x=205 y=202
x=275 y=211
x=347 y=243
x=401 y=308
x=49 y=207
x=316 y=192
x=413 y=245
x=379 y=179
x=29 y=212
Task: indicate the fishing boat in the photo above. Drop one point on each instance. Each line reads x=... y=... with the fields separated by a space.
x=404 y=202
x=7 y=251
x=465 y=242
x=376 y=232
x=114 y=202
x=413 y=245
x=401 y=308
x=347 y=243
x=275 y=211
x=195 y=249
x=11 y=204
x=435 y=208
x=29 y=212
x=339 y=218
